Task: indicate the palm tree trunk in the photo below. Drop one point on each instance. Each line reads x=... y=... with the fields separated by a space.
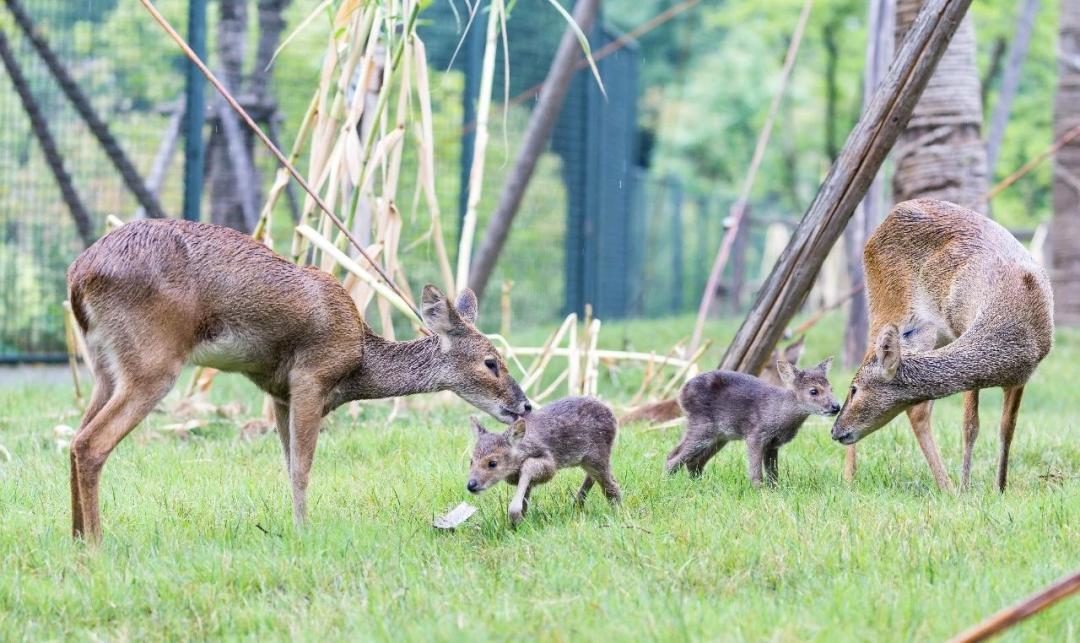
x=941 y=154
x=1065 y=236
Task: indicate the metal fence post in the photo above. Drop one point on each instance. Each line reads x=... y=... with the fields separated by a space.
x=195 y=113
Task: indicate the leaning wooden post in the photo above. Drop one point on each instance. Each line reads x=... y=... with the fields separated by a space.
x=850 y=176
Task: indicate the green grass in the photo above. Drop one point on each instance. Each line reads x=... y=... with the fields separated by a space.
x=199 y=542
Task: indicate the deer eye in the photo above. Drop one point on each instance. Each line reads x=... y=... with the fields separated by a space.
x=492 y=464
x=492 y=365
x=813 y=392
x=853 y=390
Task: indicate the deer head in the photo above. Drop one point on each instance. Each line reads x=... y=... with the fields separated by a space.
x=469 y=364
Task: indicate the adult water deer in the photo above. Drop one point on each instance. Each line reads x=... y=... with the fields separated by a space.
x=153 y=295
x=956 y=304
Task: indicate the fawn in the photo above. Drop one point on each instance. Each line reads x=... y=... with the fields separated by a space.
x=722 y=406
x=155 y=294
x=667 y=410
x=956 y=304
x=572 y=432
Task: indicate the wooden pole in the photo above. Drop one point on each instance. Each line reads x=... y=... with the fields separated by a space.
x=863 y=153
x=1013 y=614
x=97 y=126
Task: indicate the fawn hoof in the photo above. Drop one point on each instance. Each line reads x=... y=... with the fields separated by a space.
x=516 y=514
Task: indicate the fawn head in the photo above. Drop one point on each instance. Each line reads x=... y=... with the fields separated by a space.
x=875 y=396
x=494 y=457
x=811 y=386
x=474 y=369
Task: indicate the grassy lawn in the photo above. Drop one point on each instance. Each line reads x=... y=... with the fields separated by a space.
x=199 y=541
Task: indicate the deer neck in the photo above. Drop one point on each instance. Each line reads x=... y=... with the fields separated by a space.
x=394 y=369
x=959 y=366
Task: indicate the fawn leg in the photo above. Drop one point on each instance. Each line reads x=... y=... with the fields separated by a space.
x=281 y=420
x=755 y=453
x=531 y=469
x=305 y=416
x=129 y=404
x=698 y=436
x=103 y=390
x=772 y=465
x=1010 y=410
x=586 y=485
x=971 y=431
x=919 y=416
x=849 y=464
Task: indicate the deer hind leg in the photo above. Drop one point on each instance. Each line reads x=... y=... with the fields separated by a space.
x=971 y=431
x=919 y=416
x=305 y=417
x=1008 y=424
x=132 y=400
x=103 y=390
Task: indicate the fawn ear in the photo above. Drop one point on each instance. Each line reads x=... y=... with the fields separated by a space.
x=438 y=315
x=794 y=350
x=467 y=305
x=516 y=431
x=478 y=428
x=888 y=351
x=786 y=372
x=825 y=365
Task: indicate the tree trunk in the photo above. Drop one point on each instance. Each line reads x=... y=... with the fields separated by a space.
x=233 y=179
x=941 y=154
x=1010 y=82
x=879 y=53
x=1065 y=235
x=542 y=120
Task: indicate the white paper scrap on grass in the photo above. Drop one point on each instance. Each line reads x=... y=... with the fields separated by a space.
x=457 y=515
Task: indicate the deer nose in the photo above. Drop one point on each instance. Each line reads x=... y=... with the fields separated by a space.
x=527 y=407
x=472 y=486
x=834 y=409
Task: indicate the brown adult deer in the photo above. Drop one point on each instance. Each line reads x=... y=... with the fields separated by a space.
x=956 y=305
x=154 y=295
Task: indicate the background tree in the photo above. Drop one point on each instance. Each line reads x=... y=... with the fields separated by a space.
x=1065 y=237
x=941 y=154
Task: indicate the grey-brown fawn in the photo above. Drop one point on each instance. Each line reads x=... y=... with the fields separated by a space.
x=572 y=432
x=722 y=406
x=956 y=305
x=154 y=295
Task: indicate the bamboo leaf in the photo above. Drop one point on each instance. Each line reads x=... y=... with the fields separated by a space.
x=295 y=32
x=583 y=41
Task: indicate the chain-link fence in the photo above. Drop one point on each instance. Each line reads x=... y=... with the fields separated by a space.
x=595 y=228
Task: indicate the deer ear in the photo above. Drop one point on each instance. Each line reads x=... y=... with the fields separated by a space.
x=467 y=305
x=888 y=351
x=794 y=350
x=516 y=432
x=478 y=428
x=437 y=313
x=786 y=372
x=825 y=365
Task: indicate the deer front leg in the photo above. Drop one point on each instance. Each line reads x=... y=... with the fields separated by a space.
x=919 y=416
x=850 y=464
x=305 y=416
x=532 y=469
x=772 y=465
x=755 y=453
x=281 y=420
x=971 y=431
